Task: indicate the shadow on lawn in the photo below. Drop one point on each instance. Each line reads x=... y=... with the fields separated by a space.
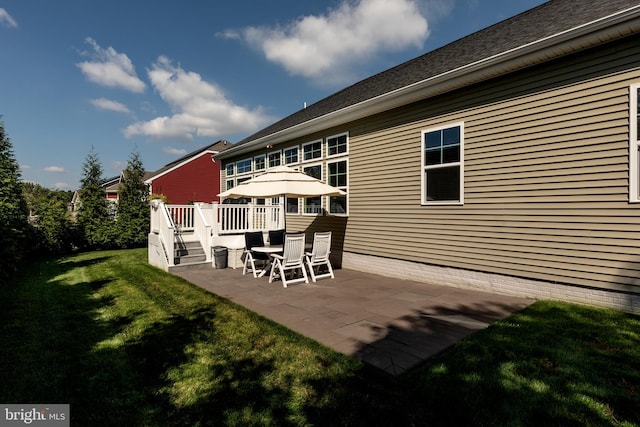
x=549 y=364
x=71 y=347
x=533 y=367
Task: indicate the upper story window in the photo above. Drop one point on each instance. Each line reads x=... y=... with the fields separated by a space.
x=229 y=169
x=337 y=145
x=274 y=159
x=313 y=205
x=442 y=165
x=634 y=144
x=338 y=176
x=243 y=166
x=260 y=162
x=312 y=151
x=290 y=155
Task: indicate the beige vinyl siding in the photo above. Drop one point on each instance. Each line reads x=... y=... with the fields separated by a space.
x=545 y=177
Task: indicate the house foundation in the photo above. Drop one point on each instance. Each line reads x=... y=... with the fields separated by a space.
x=490 y=282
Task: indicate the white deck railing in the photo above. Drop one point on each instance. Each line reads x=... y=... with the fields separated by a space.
x=233 y=219
x=203 y=222
x=183 y=216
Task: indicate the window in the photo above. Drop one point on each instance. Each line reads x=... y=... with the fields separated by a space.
x=337 y=145
x=229 y=184
x=634 y=144
x=291 y=155
x=229 y=169
x=337 y=176
x=313 y=205
x=442 y=164
x=260 y=162
x=292 y=205
x=243 y=166
x=312 y=150
x=274 y=159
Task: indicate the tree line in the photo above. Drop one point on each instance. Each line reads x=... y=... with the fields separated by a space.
x=36 y=221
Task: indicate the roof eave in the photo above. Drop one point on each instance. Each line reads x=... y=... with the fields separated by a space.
x=594 y=33
x=161 y=173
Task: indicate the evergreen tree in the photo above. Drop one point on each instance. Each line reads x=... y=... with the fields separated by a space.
x=93 y=213
x=133 y=221
x=14 y=226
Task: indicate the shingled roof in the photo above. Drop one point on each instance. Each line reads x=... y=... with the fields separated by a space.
x=542 y=22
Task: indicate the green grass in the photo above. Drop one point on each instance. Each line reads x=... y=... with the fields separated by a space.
x=127 y=344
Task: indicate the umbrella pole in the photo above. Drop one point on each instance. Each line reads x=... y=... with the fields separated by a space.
x=283 y=212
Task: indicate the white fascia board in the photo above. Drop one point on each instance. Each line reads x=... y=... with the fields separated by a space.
x=179 y=165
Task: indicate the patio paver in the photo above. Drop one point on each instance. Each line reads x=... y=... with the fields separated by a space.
x=391 y=324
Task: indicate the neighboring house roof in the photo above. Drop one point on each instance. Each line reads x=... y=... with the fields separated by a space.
x=113 y=184
x=214 y=148
x=110 y=182
x=551 y=30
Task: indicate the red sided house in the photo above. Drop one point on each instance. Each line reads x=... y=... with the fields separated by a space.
x=192 y=178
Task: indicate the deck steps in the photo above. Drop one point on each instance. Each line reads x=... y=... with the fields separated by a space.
x=188 y=253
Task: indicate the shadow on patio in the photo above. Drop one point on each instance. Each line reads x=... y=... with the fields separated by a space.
x=389 y=323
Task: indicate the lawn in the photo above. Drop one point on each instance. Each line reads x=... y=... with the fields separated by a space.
x=126 y=344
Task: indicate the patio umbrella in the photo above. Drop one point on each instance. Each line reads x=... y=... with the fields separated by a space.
x=282 y=181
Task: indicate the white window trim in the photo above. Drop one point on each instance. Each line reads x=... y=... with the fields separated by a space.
x=285 y=207
x=315 y=159
x=634 y=145
x=327 y=145
x=250 y=160
x=283 y=158
x=326 y=202
x=274 y=152
x=255 y=163
x=233 y=167
x=304 y=199
x=423 y=167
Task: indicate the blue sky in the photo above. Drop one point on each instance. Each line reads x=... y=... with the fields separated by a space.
x=167 y=77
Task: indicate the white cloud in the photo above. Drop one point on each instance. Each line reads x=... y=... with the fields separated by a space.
x=199 y=108
x=174 y=151
x=62 y=186
x=117 y=166
x=24 y=167
x=327 y=47
x=55 y=169
x=109 y=68
x=7 y=19
x=107 y=104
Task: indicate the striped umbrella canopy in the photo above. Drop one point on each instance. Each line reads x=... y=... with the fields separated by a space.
x=282 y=181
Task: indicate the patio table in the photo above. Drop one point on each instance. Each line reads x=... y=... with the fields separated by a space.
x=267 y=250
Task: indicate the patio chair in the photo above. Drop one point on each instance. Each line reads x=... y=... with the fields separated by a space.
x=253 y=239
x=319 y=256
x=276 y=237
x=291 y=260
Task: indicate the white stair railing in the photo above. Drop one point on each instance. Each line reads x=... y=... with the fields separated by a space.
x=161 y=238
x=202 y=228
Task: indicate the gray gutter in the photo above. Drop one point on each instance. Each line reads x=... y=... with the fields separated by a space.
x=612 y=27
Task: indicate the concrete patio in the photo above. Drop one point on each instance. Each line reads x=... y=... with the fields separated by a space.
x=391 y=324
